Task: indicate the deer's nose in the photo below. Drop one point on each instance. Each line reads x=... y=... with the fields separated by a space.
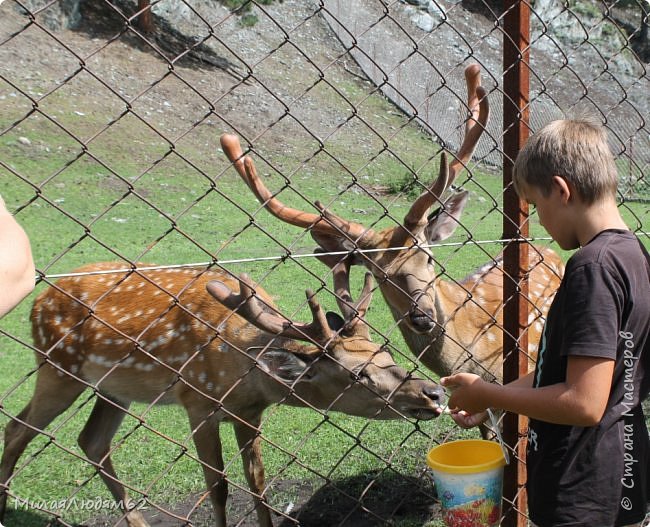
x=435 y=393
x=422 y=320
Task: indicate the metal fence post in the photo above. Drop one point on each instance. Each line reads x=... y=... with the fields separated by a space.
x=516 y=41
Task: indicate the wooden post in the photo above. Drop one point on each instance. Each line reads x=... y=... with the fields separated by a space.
x=145 y=18
x=516 y=41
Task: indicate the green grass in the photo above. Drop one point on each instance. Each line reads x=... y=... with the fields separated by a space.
x=109 y=204
x=197 y=216
x=126 y=195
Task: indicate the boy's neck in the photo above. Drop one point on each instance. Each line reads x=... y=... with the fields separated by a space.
x=596 y=218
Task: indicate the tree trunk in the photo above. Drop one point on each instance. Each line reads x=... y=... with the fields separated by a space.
x=145 y=18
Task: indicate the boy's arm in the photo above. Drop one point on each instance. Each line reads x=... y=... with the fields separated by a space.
x=17 y=271
x=579 y=401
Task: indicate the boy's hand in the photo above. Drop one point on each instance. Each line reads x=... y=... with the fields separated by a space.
x=466 y=394
x=466 y=420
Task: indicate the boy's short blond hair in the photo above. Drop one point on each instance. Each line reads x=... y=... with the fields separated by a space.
x=575 y=149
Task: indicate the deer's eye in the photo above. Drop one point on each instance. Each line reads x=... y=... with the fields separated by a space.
x=362 y=376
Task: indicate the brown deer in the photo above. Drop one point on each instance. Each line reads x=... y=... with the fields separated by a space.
x=159 y=336
x=448 y=325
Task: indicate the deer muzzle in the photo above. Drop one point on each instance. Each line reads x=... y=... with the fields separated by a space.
x=422 y=321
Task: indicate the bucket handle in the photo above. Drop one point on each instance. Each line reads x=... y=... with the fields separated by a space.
x=494 y=422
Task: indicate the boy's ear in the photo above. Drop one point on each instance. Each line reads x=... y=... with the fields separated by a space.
x=564 y=188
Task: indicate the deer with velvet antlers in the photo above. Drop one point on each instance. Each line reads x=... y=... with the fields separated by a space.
x=449 y=326
x=215 y=345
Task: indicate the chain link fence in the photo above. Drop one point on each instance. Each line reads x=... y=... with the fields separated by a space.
x=110 y=119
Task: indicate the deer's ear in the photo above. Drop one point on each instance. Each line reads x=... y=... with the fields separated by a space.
x=284 y=365
x=442 y=222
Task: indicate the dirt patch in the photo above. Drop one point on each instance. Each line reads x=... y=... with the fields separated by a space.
x=366 y=500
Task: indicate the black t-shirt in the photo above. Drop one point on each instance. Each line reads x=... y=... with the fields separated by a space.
x=596 y=476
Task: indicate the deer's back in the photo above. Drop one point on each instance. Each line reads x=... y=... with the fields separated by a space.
x=139 y=334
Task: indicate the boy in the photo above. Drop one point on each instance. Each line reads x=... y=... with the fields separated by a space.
x=588 y=446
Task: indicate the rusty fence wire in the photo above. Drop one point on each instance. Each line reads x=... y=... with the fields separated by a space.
x=111 y=114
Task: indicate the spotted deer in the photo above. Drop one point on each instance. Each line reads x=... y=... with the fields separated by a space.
x=213 y=344
x=449 y=326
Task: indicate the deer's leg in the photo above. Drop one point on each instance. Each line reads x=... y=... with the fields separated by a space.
x=205 y=432
x=53 y=394
x=250 y=445
x=95 y=440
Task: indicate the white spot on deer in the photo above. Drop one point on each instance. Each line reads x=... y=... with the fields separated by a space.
x=58 y=320
x=70 y=350
x=183 y=358
x=539 y=326
x=100 y=361
x=203 y=377
x=210 y=386
x=146 y=366
x=74 y=369
x=491 y=337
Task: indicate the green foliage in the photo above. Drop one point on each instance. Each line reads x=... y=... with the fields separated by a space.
x=406 y=185
x=243 y=8
x=584 y=8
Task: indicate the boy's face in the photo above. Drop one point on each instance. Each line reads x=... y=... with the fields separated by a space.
x=553 y=212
